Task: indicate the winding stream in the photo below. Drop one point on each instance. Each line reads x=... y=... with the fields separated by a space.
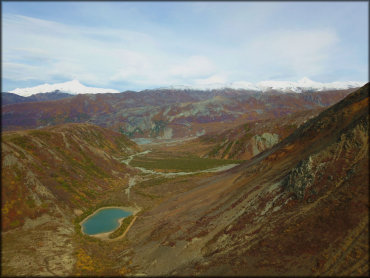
x=128 y=160
x=134 y=179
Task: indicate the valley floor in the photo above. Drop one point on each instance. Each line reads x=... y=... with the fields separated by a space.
x=161 y=195
x=298 y=208
x=161 y=175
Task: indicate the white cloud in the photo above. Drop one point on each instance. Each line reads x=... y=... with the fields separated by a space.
x=90 y=55
x=214 y=79
x=20 y=72
x=194 y=66
x=97 y=56
x=302 y=52
x=151 y=71
x=129 y=64
x=131 y=46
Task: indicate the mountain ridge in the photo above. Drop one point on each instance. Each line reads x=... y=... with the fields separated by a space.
x=299 y=208
x=74 y=87
x=166 y=114
x=10 y=98
x=303 y=85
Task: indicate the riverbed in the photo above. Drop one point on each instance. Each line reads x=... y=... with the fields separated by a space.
x=133 y=180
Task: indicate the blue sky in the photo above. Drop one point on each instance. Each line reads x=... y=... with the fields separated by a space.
x=139 y=45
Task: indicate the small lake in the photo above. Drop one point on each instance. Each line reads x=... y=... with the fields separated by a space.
x=103 y=221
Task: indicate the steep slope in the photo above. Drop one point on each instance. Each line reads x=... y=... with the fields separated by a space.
x=166 y=114
x=49 y=176
x=242 y=142
x=250 y=139
x=300 y=208
x=71 y=163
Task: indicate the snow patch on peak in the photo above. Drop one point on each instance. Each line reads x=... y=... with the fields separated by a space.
x=214 y=86
x=306 y=80
x=74 y=82
x=303 y=85
x=73 y=87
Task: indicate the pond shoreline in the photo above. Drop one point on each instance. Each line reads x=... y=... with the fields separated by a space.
x=133 y=210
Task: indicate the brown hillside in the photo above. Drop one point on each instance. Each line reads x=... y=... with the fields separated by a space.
x=67 y=165
x=166 y=114
x=300 y=208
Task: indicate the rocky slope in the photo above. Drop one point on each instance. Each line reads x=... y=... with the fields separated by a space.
x=250 y=139
x=166 y=113
x=242 y=142
x=48 y=177
x=300 y=208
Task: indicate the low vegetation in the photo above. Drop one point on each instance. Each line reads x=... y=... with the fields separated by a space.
x=186 y=163
x=247 y=140
x=152 y=182
x=73 y=162
x=125 y=223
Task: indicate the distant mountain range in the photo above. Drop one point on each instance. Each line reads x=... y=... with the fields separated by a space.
x=10 y=98
x=74 y=87
x=298 y=207
x=165 y=113
x=303 y=85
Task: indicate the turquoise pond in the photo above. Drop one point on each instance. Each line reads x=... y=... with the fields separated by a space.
x=105 y=220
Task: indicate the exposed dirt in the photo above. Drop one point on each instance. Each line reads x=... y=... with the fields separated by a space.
x=43 y=246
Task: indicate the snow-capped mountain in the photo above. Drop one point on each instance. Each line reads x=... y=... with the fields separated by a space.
x=73 y=87
x=303 y=85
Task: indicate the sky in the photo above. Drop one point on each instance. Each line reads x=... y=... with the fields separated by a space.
x=144 y=45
